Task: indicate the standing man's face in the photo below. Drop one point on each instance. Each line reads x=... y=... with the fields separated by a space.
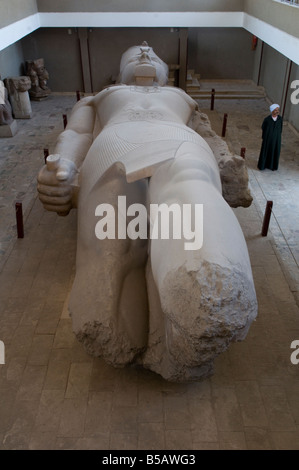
x=275 y=112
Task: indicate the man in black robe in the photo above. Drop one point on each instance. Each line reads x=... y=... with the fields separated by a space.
x=271 y=144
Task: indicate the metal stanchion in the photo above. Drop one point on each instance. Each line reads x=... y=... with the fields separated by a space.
x=267 y=216
x=212 y=98
x=46 y=154
x=224 y=125
x=64 y=120
x=19 y=217
x=242 y=153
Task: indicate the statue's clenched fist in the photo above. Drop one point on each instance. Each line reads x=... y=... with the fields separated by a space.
x=57 y=184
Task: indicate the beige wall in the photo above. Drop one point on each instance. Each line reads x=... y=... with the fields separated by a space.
x=14 y=10
x=282 y=16
x=139 y=5
x=223 y=53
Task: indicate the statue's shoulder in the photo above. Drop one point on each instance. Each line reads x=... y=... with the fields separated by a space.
x=179 y=92
x=108 y=90
x=111 y=89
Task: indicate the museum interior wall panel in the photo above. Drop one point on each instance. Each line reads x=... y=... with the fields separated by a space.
x=107 y=44
x=257 y=61
x=14 y=10
x=273 y=72
x=11 y=61
x=279 y=15
x=59 y=47
x=139 y=5
x=212 y=52
x=221 y=53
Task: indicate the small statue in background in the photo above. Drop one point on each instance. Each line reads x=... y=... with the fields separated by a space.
x=5 y=107
x=8 y=126
x=39 y=76
x=17 y=88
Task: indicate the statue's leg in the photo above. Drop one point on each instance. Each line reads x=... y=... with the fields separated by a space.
x=199 y=299
x=108 y=302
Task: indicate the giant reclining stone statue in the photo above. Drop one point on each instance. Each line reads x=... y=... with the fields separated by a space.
x=142 y=299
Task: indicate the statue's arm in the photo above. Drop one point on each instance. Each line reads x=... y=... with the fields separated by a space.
x=58 y=180
x=73 y=144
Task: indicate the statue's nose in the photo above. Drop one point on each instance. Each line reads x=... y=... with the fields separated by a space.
x=145 y=57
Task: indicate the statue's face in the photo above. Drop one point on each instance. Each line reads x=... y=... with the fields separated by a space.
x=138 y=56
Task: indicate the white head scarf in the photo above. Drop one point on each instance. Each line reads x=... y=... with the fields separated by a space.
x=274 y=106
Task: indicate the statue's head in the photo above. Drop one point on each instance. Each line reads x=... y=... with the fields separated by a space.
x=140 y=65
x=21 y=84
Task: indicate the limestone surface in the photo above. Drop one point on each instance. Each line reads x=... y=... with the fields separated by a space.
x=17 y=88
x=233 y=170
x=39 y=76
x=163 y=277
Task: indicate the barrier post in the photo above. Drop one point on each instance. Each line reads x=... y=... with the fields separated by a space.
x=46 y=154
x=243 y=150
x=212 y=98
x=19 y=217
x=267 y=216
x=224 y=125
x=64 y=120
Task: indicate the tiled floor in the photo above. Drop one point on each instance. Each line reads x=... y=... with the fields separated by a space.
x=54 y=396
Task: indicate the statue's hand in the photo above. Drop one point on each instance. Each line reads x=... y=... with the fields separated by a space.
x=56 y=184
